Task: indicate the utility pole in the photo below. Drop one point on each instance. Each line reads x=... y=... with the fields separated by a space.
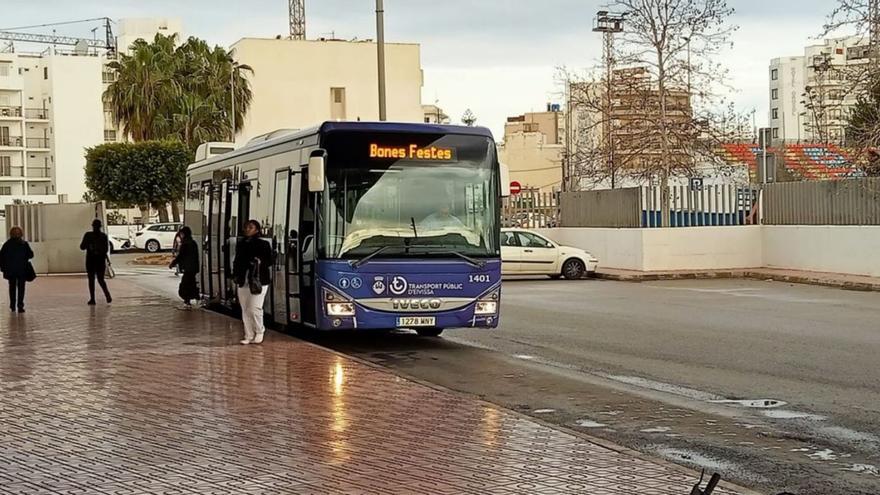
x=608 y=23
x=232 y=94
x=380 y=41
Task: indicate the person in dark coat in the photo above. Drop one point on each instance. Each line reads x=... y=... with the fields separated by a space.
x=96 y=244
x=187 y=262
x=15 y=256
x=253 y=260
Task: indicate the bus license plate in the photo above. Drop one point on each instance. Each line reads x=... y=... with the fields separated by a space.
x=416 y=321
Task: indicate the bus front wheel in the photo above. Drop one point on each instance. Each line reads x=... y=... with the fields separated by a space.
x=429 y=332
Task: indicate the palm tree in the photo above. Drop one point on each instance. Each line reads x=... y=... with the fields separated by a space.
x=185 y=93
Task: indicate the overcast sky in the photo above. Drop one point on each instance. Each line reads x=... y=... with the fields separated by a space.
x=497 y=57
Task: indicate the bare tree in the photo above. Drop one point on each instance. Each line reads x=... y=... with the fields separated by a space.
x=667 y=114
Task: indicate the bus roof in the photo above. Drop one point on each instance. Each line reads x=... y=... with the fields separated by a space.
x=330 y=127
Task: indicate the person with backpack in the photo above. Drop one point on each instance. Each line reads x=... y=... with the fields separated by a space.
x=186 y=262
x=253 y=260
x=96 y=244
x=15 y=256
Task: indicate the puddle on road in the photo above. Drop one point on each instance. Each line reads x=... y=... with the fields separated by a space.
x=587 y=423
x=863 y=469
x=663 y=387
x=752 y=403
x=785 y=414
x=823 y=455
x=658 y=429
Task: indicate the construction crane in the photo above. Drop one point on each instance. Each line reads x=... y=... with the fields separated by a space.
x=108 y=43
x=297 y=19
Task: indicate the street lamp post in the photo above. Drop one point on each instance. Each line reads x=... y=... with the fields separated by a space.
x=380 y=41
x=608 y=23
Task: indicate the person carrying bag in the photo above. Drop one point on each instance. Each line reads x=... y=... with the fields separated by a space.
x=253 y=259
x=15 y=262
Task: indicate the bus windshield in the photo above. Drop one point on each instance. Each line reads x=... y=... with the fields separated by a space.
x=409 y=195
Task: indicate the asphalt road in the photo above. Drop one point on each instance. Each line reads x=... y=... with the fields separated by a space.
x=658 y=367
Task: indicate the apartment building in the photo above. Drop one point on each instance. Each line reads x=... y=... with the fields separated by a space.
x=811 y=95
x=533 y=149
x=52 y=109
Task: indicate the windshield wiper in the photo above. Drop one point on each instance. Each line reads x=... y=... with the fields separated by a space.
x=365 y=259
x=472 y=261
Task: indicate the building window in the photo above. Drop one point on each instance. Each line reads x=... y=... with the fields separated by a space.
x=774 y=74
x=775 y=133
x=4 y=69
x=774 y=114
x=6 y=166
x=109 y=135
x=5 y=190
x=337 y=103
x=774 y=94
x=427 y=120
x=45 y=73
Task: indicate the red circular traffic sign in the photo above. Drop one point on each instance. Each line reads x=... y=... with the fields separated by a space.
x=515 y=187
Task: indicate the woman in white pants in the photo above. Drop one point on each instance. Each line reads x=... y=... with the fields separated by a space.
x=253 y=260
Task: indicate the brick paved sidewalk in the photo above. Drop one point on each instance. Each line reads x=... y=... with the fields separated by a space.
x=140 y=398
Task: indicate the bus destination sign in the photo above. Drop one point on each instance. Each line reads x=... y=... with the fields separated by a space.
x=412 y=152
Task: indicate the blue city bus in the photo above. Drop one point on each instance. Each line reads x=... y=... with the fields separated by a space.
x=374 y=225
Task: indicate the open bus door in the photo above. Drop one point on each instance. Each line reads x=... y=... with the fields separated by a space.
x=286 y=295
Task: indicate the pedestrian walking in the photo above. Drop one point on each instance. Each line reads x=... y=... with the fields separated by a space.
x=175 y=249
x=97 y=246
x=15 y=262
x=253 y=259
x=186 y=262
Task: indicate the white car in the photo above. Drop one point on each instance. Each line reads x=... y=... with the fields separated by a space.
x=524 y=252
x=118 y=244
x=156 y=237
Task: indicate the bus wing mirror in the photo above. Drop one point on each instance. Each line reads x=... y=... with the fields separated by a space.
x=505 y=180
x=317 y=162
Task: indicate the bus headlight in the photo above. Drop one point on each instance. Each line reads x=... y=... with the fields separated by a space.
x=340 y=309
x=486 y=308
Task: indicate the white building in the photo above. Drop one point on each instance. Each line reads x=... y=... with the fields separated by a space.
x=299 y=83
x=51 y=110
x=809 y=97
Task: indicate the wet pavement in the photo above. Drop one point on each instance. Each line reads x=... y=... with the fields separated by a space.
x=138 y=397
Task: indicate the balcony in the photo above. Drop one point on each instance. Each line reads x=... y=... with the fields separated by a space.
x=10 y=112
x=11 y=141
x=36 y=113
x=7 y=171
x=37 y=143
x=39 y=173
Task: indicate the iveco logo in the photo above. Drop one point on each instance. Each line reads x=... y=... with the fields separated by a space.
x=416 y=303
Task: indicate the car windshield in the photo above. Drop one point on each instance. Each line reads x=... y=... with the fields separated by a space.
x=411 y=194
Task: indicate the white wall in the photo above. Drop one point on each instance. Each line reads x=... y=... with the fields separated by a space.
x=701 y=248
x=837 y=249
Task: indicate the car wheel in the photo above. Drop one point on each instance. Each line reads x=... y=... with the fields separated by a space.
x=573 y=269
x=429 y=332
x=152 y=246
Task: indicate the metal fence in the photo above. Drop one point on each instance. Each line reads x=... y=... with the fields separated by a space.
x=531 y=209
x=615 y=208
x=716 y=205
x=842 y=202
